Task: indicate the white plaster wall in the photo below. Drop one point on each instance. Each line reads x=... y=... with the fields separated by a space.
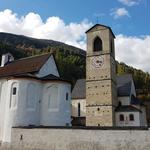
x=3 y=95
x=28 y=116
x=124 y=100
x=74 y=107
x=22 y=115
x=143 y=120
x=60 y=116
x=80 y=139
x=48 y=68
x=19 y=115
x=126 y=121
x=9 y=112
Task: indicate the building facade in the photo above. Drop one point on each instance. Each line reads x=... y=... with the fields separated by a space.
x=105 y=98
x=32 y=93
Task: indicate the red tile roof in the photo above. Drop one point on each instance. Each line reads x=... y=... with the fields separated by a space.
x=25 y=65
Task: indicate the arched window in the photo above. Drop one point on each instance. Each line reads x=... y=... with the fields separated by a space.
x=31 y=96
x=121 y=117
x=67 y=96
x=52 y=96
x=97 y=44
x=79 y=111
x=131 y=117
x=14 y=96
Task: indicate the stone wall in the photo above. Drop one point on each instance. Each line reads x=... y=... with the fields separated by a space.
x=78 y=139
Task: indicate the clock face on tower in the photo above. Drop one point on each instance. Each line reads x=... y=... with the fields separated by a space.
x=97 y=62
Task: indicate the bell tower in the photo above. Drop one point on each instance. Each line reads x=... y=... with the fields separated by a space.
x=101 y=91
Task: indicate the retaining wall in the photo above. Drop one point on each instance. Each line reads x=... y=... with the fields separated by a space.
x=78 y=139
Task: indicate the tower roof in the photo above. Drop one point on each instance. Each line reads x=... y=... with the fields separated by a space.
x=100 y=25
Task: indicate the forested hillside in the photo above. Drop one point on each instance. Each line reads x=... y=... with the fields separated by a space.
x=71 y=60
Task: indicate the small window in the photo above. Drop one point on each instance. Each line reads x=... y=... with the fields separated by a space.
x=67 y=96
x=131 y=117
x=14 y=91
x=13 y=97
x=79 y=111
x=121 y=117
x=119 y=104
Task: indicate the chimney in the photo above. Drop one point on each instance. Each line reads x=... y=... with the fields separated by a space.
x=6 y=58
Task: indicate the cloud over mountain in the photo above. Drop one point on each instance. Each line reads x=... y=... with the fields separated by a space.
x=54 y=27
x=134 y=51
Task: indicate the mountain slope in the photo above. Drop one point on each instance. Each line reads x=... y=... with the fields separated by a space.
x=71 y=60
x=32 y=44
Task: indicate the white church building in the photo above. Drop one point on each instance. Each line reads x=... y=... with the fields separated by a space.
x=32 y=93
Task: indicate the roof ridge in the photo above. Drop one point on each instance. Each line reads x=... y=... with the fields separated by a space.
x=30 y=57
x=25 y=65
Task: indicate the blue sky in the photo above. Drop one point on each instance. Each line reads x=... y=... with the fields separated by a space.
x=67 y=21
x=137 y=23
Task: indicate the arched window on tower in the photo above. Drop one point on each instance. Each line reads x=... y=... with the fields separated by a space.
x=98 y=45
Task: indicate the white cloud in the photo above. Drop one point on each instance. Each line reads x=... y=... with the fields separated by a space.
x=53 y=28
x=134 y=51
x=130 y=2
x=119 y=12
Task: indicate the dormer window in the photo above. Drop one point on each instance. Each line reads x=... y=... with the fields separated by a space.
x=97 y=45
